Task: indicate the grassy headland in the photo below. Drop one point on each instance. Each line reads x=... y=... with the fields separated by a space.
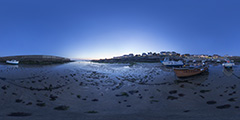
x=36 y=59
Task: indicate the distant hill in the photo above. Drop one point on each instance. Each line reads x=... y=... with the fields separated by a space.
x=36 y=59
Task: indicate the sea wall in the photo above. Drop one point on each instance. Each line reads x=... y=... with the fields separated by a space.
x=36 y=59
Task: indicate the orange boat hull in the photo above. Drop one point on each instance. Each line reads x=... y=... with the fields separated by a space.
x=189 y=72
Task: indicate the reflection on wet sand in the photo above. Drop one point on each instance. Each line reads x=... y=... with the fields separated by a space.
x=228 y=71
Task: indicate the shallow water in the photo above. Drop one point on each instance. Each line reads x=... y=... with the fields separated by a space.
x=86 y=90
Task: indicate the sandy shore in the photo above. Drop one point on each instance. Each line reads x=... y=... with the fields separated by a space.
x=93 y=91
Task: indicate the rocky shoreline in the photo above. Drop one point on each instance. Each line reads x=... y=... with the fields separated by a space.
x=36 y=59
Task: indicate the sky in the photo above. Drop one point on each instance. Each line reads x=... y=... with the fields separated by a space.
x=93 y=29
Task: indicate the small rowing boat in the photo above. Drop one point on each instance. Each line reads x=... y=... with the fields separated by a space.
x=189 y=71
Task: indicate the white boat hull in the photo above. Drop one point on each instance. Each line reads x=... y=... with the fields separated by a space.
x=228 y=64
x=12 y=62
x=172 y=63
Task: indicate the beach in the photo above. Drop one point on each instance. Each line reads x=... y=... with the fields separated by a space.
x=101 y=91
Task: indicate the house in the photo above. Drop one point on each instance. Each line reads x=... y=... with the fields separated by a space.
x=144 y=54
x=216 y=56
x=130 y=55
x=150 y=54
x=137 y=55
x=163 y=53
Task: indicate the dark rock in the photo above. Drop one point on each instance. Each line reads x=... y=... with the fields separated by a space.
x=78 y=96
x=211 y=102
x=53 y=97
x=39 y=101
x=41 y=104
x=172 y=98
x=128 y=105
x=202 y=96
x=123 y=94
x=18 y=100
x=133 y=91
x=94 y=100
x=173 y=92
x=223 y=106
x=4 y=87
x=181 y=95
x=186 y=110
x=151 y=101
x=158 y=90
x=29 y=103
x=19 y=114
x=62 y=107
x=92 y=112
x=151 y=97
x=204 y=91
x=232 y=99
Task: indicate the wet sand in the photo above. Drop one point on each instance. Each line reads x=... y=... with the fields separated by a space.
x=94 y=91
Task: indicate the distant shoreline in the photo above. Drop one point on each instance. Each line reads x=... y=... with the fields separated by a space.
x=36 y=59
x=155 y=59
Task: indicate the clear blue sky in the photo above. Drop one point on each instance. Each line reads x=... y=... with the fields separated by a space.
x=107 y=28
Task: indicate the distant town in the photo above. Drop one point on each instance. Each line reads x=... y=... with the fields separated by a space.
x=156 y=57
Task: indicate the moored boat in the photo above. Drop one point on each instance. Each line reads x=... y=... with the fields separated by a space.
x=228 y=64
x=13 y=62
x=189 y=71
x=172 y=63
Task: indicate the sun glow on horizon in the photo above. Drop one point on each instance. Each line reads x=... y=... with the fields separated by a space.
x=118 y=43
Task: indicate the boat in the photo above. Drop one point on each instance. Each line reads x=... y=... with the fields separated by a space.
x=203 y=61
x=13 y=62
x=228 y=64
x=172 y=63
x=218 y=61
x=189 y=71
